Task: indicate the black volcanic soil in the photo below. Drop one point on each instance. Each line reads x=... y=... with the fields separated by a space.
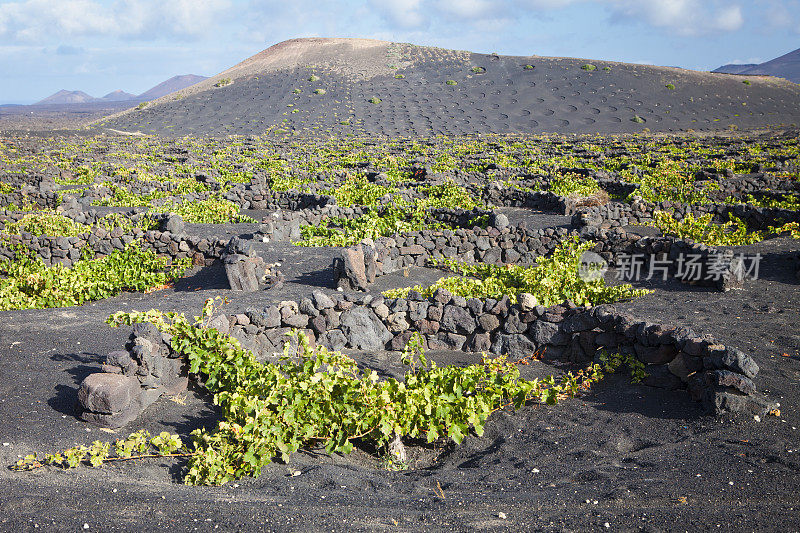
x=625 y=455
x=439 y=93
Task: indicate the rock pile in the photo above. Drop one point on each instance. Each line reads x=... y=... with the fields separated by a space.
x=132 y=379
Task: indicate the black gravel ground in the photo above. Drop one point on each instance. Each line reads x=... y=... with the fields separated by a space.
x=623 y=457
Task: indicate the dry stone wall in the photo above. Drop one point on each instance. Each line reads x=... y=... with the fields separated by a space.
x=676 y=358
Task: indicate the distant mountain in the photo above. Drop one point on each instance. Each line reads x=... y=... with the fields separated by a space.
x=734 y=69
x=67 y=97
x=176 y=83
x=787 y=66
x=118 y=96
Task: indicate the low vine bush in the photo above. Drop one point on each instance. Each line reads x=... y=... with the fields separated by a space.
x=357 y=190
x=210 y=211
x=702 y=230
x=56 y=225
x=318 y=396
x=732 y=233
x=570 y=185
x=551 y=281
x=787 y=202
x=340 y=231
x=669 y=180
x=449 y=195
x=29 y=284
x=398 y=216
x=46 y=223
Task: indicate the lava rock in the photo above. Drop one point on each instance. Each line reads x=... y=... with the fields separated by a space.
x=364 y=330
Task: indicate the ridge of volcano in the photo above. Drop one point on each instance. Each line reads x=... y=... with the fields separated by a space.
x=341 y=86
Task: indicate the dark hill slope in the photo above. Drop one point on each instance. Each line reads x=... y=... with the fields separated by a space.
x=175 y=83
x=787 y=66
x=735 y=68
x=354 y=86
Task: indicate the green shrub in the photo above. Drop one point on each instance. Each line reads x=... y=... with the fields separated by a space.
x=357 y=190
x=552 y=281
x=703 y=230
x=448 y=195
x=349 y=231
x=319 y=91
x=451 y=82
x=313 y=77
x=223 y=82
x=574 y=185
x=637 y=119
x=672 y=181
x=529 y=67
x=213 y=210
x=589 y=67
x=670 y=86
x=46 y=223
x=788 y=201
x=747 y=82
x=399 y=76
x=56 y=225
x=478 y=70
x=29 y=284
x=374 y=100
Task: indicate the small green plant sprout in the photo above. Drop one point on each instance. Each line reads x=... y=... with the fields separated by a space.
x=451 y=82
x=670 y=86
x=529 y=67
x=313 y=77
x=139 y=445
x=606 y=68
x=320 y=91
x=374 y=100
x=747 y=82
x=478 y=70
x=637 y=119
x=589 y=67
x=399 y=76
x=142 y=105
x=223 y=82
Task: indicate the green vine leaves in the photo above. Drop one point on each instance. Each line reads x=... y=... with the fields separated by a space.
x=314 y=395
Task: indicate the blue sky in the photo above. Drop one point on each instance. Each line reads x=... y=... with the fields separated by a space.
x=99 y=46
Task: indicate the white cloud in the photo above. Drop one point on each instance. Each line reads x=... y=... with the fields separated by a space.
x=779 y=15
x=688 y=17
x=38 y=20
x=729 y=19
x=403 y=13
x=467 y=9
x=550 y=4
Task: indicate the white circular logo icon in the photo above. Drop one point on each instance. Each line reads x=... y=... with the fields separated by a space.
x=592 y=266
